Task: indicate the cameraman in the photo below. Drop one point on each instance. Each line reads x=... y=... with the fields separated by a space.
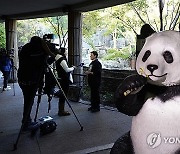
x=31 y=71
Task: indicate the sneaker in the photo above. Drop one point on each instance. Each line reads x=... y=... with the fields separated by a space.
x=5 y=89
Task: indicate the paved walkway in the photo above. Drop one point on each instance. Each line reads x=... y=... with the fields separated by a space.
x=100 y=129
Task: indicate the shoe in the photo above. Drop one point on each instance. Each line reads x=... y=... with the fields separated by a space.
x=95 y=110
x=33 y=125
x=90 y=108
x=5 y=89
x=25 y=129
x=30 y=126
x=64 y=113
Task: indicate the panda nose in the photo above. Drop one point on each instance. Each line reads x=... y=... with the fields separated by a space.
x=151 y=68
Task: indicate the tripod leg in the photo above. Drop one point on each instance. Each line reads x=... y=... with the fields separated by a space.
x=17 y=140
x=74 y=113
x=38 y=102
x=49 y=102
x=13 y=84
x=21 y=129
x=13 y=80
x=27 y=112
x=59 y=86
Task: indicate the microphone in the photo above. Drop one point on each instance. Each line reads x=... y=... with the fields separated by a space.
x=81 y=65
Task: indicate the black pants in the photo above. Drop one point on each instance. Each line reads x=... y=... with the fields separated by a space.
x=95 y=97
x=29 y=93
x=65 y=88
x=6 y=78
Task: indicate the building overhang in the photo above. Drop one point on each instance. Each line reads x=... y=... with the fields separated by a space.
x=22 y=9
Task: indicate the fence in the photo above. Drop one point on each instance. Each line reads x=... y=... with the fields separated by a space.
x=110 y=81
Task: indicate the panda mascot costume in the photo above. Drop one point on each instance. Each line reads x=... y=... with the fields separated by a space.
x=152 y=97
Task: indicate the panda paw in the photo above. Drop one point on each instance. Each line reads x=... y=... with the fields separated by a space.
x=132 y=85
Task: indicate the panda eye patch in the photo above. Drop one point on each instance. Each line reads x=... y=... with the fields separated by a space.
x=168 y=57
x=146 y=55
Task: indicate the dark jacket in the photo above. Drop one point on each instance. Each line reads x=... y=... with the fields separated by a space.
x=95 y=78
x=31 y=64
x=62 y=74
x=5 y=63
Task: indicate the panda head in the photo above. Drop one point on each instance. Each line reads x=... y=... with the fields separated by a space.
x=159 y=59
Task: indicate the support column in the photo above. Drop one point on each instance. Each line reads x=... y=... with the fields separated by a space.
x=75 y=42
x=11 y=43
x=74 y=38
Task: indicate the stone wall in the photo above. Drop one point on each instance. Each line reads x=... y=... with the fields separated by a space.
x=110 y=81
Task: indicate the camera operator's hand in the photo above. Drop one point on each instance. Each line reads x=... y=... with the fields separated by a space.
x=57 y=57
x=88 y=72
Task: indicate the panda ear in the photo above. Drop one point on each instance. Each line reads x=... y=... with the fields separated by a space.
x=168 y=57
x=146 y=55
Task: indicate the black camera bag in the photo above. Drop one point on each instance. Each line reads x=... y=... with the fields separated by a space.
x=48 y=127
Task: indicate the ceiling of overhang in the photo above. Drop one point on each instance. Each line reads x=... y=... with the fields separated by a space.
x=24 y=9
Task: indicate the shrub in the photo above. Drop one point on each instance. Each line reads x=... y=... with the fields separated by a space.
x=113 y=54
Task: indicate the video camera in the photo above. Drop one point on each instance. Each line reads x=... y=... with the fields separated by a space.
x=48 y=38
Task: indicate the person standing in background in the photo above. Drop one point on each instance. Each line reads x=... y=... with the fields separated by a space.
x=146 y=30
x=5 y=67
x=94 y=81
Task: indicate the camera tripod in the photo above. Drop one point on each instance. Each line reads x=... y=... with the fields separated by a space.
x=13 y=75
x=66 y=99
x=49 y=99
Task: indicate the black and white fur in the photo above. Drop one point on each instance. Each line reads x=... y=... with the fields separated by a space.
x=153 y=97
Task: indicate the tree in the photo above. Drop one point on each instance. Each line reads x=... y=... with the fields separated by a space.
x=125 y=21
x=161 y=14
x=59 y=26
x=28 y=28
x=92 y=22
x=2 y=36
